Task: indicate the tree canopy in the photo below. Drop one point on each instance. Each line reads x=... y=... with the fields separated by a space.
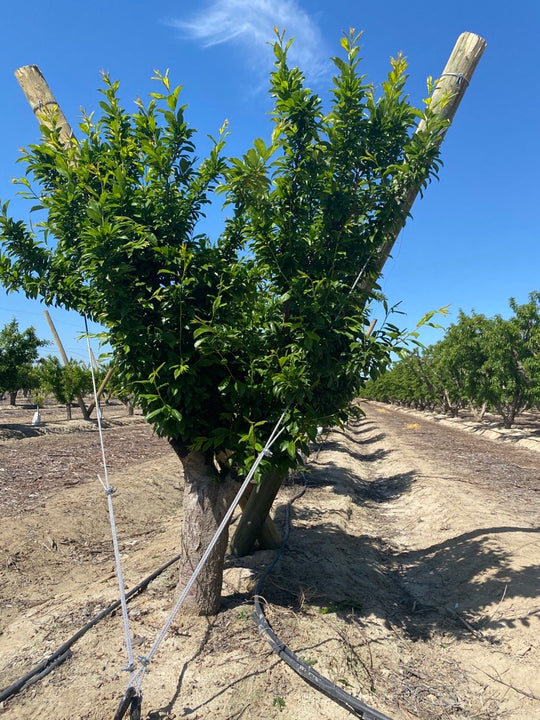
x=217 y=336
x=65 y=382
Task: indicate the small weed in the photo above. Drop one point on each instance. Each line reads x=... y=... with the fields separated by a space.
x=344 y=606
x=243 y=614
x=310 y=662
x=278 y=702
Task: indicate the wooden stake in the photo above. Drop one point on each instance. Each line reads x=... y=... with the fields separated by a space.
x=42 y=101
x=447 y=96
x=46 y=109
x=101 y=388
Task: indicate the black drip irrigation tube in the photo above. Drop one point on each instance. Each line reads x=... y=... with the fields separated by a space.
x=63 y=652
x=315 y=679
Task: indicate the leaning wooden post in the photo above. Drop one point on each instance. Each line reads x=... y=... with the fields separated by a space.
x=47 y=110
x=42 y=101
x=449 y=92
x=101 y=388
x=447 y=96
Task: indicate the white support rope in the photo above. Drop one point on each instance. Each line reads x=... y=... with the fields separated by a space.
x=109 y=491
x=138 y=676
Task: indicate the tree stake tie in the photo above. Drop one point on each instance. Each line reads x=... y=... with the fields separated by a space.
x=41 y=104
x=460 y=77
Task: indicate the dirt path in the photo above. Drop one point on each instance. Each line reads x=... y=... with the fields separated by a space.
x=410 y=579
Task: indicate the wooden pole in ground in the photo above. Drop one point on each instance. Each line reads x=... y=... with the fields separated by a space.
x=84 y=409
x=46 y=109
x=42 y=101
x=447 y=96
x=449 y=92
x=101 y=388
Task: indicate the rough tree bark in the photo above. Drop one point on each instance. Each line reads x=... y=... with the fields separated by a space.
x=255 y=514
x=205 y=502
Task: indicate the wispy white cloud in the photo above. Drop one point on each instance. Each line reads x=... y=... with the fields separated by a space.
x=251 y=23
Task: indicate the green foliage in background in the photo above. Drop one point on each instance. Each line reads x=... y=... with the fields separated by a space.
x=64 y=382
x=481 y=363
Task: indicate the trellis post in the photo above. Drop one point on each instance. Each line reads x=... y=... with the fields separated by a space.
x=447 y=96
x=42 y=101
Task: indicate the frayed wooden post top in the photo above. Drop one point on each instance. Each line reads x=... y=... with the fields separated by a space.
x=42 y=101
x=449 y=91
x=457 y=74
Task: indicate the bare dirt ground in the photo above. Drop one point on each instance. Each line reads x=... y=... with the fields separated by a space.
x=410 y=576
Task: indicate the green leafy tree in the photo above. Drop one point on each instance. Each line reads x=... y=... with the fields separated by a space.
x=409 y=382
x=457 y=364
x=217 y=338
x=65 y=382
x=527 y=320
x=508 y=388
x=18 y=351
x=481 y=363
x=117 y=388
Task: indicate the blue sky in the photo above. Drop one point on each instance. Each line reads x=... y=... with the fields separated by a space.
x=473 y=240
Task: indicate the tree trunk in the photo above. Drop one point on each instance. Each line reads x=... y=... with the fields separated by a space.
x=68 y=411
x=479 y=412
x=206 y=500
x=255 y=513
x=13 y=397
x=268 y=536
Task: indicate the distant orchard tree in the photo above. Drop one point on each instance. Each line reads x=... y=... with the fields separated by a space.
x=65 y=382
x=481 y=363
x=18 y=351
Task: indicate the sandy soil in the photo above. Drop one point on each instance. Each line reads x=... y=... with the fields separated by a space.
x=410 y=576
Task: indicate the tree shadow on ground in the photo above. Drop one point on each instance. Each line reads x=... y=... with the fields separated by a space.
x=16 y=431
x=346 y=482
x=378 y=454
x=443 y=587
x=355 y=439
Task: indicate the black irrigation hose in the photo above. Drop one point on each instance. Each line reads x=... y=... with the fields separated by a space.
x=318 y=681
x=64 y=652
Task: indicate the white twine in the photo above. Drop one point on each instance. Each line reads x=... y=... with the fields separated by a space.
x=138 y=676
x=109 y=491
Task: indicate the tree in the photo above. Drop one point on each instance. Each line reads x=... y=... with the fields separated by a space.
x=480 y=363
x=18 y=350
x=458 y=364
x=508 y=389
x=217 y=338
x=65 y=382
x=527 y=321
x=115 y=387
